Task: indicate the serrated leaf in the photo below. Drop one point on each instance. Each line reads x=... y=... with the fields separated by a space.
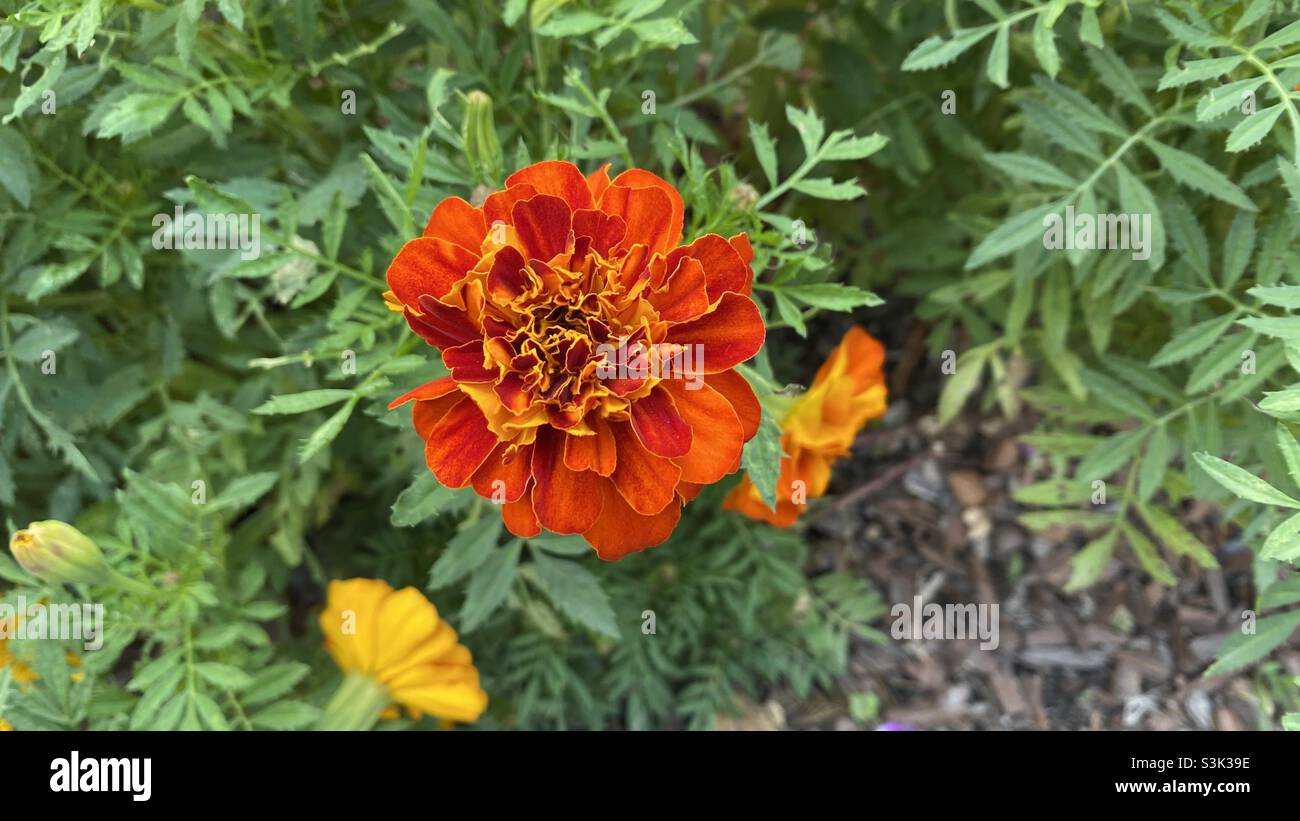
x=576 y=593
x=1241 y=649
x=1242 y=483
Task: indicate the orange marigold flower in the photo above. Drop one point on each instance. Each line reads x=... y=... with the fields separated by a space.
x=819 y=428
x=532 y=300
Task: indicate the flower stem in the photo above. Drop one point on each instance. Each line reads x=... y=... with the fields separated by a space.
x=356 y=705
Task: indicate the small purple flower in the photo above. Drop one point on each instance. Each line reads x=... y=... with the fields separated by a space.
x=895 y=727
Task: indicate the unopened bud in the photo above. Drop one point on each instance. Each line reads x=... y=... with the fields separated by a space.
x=478 y=130
x=56 y=552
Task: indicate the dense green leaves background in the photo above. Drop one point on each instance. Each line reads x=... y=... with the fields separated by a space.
x=260 y=385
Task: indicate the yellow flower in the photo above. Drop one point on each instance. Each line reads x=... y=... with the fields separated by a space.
x=393 y=647
x=5 y=726
x=819 y=428
x=20 y=672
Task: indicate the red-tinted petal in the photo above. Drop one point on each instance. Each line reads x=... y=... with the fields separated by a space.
x=741 y=396
x=719 y=439
x=659 y=426
x=598 y=181
x=637 y=178
x=684 y=297
x=648 y=213
x=427 y=412
x=724 y=269
x=507 y=280
x=428 y=265
x=458 y=444
x=457 y=221
x=556 y=178
x=731 y=333
x=444 y=325
x=605 y=230
x=620 y=530
x=520 y=518
x=741 y=243
x=441 y=386
x=645 y=480
x=598 y=452
x=498 y=205
x=543 y=224
x=466 y=362
x=565 y=500
x=513 y=475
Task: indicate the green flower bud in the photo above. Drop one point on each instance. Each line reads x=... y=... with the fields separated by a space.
x=478 y=130
x=56 y=552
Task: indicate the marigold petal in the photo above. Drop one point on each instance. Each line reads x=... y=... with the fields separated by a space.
x=658 y=424
x=638 y=178
x=441 y=386
x=604 y=230
x=621 y=530
x=507 y=280
x=457 y=221
x=499 y=204
x=738 y=392
x=598 y=181
x=720 y=438
x=427 y=412
x=731 y=333
x=428 y=265
x=724 y=269
x=458 y=444
x=645 y=480
x=556 y=178
x=648 y=213
x=598 y=452
x=563 y=499
x=685 y=295
x=466 y=362
x=513 y=475
x=520 y=518
x=443 y=325
x=741 y=243
x=543 y=224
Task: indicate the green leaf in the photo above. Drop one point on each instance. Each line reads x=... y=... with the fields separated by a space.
x=825 y=188
x=761 y=459
x=1154 y=463
x=996 y=65
x=18 y=172
x=489 y=585
x=1241 y=649
x=286 y=715
x=1191 y=341
x=423 y=498
x=1283 y=543
x=1290 y=449
x=576 y=593
x=472 y=545
x=1176 y=537
x=1254 y=128
x=936 y=51
x=1194 y=172
x=303 y=402
x=1088 y=564
x=963 y=381
x=327 y=432
x=1030 y=169
x=1242 y=483
x=1020 y=229
x=225 y=676
x=831 y=296
x=764 y=150
x=1148 y=556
